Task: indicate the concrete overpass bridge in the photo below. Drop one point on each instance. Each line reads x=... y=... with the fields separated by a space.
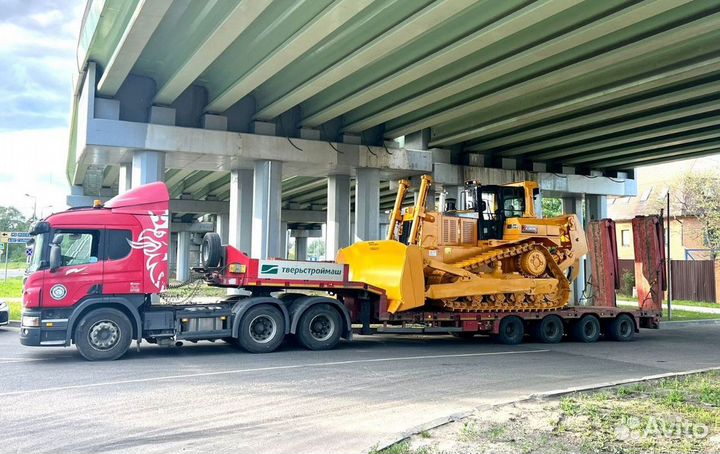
x=277 y=115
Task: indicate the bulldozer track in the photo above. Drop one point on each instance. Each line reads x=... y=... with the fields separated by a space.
x=512 y=302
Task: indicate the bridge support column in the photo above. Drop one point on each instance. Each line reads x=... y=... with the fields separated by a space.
x=301 y=248
x=222 y=227
x=147 y=167
x=267 y=206
x=338 y=215
x=367 y=204
x=596 y=207
x=125 y=177
x=240 y=218
x=574 y=205
x=182 y=270
x=283 y=240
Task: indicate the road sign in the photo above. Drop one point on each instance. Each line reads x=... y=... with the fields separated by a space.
x=15 y=237
x=19 y=237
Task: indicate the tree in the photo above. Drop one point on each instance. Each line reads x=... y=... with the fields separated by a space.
x=551 y=207
x=697 y=194
x=12 y=220
x=316 y=249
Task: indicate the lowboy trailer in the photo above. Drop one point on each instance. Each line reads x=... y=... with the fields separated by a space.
x=96 y=275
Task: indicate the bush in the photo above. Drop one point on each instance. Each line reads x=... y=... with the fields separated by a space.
x=628 y=282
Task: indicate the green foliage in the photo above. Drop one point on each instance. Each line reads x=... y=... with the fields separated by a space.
x=698 y=194
x=12 y=220
x=551 y=207
x=316 y=249
x=628 y=282
x=12 y=288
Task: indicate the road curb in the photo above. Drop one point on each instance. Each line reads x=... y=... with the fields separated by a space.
x=682 y=323
x=455 y=417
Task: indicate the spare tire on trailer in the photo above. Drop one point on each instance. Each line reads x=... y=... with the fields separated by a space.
x=211 y=250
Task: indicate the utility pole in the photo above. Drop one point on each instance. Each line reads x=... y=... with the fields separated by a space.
x=669 y=261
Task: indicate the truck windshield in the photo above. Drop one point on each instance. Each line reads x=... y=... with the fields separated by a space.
x=40 y=241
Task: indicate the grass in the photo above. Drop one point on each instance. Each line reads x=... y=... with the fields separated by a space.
x=12 y=288
x=678 y=315
x=15 y=310
x=680 y=415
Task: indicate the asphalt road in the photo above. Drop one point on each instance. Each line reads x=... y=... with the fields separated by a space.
x=210 y=397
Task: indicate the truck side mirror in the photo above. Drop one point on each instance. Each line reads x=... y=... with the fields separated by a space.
x=55 y=253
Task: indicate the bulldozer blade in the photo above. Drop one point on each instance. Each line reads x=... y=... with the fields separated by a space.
x=390 y=265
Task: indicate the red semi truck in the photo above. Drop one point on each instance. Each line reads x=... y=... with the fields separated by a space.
x=96 y=275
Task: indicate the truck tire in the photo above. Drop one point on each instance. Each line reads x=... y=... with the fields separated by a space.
x=587 y=329
x=549 y=330
x=622 y=328
x=211 y=250
x=511 y=331
x=262 y=329
x=103 y=334
x=319 y=328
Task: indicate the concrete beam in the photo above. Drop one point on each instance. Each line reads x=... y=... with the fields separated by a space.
x=402 y=33
x=322 y=25
x=192 y=227
x=144 y=21
x=654 y=82
x=301 y=248
x=564 y=43
x=210 y=49
x=455 y=175
x=635 y=49
x=481 y=39
x=199 y=206
x=223 y=150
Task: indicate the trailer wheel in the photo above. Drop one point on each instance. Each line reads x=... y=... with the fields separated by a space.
x=511 y=331
x=319 y=328
x=103 y=335
x=262 y=329
x=587 y=329
x=211 y=250
x=549 y=330
x=622 y=329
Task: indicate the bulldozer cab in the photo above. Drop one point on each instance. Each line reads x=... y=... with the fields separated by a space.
x=492 y=205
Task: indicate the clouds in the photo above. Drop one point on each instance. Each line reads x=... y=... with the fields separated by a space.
x=37 y=54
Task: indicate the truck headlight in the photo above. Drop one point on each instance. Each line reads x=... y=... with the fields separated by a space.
x=30 y=321
x=3 y=305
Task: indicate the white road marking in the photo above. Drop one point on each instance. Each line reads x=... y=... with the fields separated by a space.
x=269 y=368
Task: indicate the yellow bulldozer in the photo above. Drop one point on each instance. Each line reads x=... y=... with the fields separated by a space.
x=492 y=253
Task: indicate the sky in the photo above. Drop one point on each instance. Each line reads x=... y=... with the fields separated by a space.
x=37 y=56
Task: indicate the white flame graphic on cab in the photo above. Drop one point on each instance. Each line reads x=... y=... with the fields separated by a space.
x=153 y=242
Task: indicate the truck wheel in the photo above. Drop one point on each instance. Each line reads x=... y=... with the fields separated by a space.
x=319 y=328
x=211 y=250
x=511 y=331
x=549 y=330
x=587 y=329
x=622 y=329
x=262 y=329
x=103 y=335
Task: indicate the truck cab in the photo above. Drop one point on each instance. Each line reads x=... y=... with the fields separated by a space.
x=113 y=254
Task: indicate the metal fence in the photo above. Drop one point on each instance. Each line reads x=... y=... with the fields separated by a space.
x=692 y=280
